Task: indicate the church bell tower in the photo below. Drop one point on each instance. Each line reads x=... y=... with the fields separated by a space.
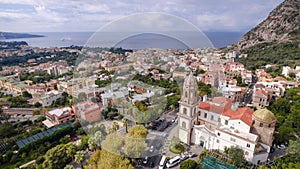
x=188 y=108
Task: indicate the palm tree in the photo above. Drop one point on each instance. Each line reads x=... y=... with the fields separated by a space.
x=115 y=126
x=92 y=145
x=125 y=124
x=80 y=157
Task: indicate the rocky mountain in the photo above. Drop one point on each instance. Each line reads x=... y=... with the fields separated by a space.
x=282 y=25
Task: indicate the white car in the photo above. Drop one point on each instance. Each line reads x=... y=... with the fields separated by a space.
x=145 y=161
x=191 y=155
x=184 y=157
x=151 y=149
x=281 y=147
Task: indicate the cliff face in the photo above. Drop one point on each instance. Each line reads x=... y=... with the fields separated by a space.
x=282 y=24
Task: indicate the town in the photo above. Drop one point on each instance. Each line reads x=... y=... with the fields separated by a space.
x=76 y=107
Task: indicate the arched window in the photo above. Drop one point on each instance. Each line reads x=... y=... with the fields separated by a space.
x=183 y=125
x=185 y=94
x=184 y=111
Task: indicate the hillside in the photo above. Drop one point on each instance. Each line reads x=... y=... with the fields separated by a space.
x=282 y=25
x=276 y=40
x=10 y=35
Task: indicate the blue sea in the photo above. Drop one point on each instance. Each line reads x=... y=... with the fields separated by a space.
x=65 y=39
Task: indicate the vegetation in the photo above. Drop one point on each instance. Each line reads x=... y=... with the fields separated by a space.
x=109 y=112
x=287 y=112
x=35 y=149
x=103 y=159
x=282 y=54
x=291 y=159
x=137 y=131
x=236 y=155
x=188 y=164
x=13 y=60
x=57 y=157
x=175 y=146
x=203 y=89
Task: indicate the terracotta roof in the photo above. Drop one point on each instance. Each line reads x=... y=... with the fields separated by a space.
x=261 y=92
x=212 y=107
x=243 y=114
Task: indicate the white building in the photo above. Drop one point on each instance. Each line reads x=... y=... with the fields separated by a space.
x=215 y=125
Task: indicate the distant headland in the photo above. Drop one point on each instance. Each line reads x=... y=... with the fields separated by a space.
x=10 y=35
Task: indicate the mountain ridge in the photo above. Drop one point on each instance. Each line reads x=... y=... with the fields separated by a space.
x=281 y=25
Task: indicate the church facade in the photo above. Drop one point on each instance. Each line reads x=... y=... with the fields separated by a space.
x=214 y=124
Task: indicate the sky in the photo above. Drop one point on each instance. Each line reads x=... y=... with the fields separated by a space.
x=92 y=15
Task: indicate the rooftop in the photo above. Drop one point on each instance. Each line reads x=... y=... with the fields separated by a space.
x=264 y=115
x=59 y=112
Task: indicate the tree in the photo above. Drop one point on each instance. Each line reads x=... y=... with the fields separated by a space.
x=36 y=111
x=56 y=157
x=115 y=126
x=125 y=124
x=175 y=141
x=95 y=140
x=71 y=150
x=135 y=147
x=103 y=159
x=69 y=167
x=92 y=145
x=37 y=104
x=82 y=97
x=236 y=155
x=292 y=75
x=113 y=143
x=80 y=157
x=188 y=164
x=26 y=94
x=294 y=149
x=138 y=131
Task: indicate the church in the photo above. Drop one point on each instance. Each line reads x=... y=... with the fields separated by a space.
x=215 y=124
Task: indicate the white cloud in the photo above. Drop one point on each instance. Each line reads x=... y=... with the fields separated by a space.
x=79 y=15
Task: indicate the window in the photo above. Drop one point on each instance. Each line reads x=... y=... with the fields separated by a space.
x=269 y=125
x=246 y=153
x=183 y=125
x=219 y=134
x=261 y=124
x=218 y=141
x=205 y=115
x=226 y=122
x=219 y=119
x=184 y=110
x=199 y=113
x=248 y=145
x=232 y=139
x=211 y=117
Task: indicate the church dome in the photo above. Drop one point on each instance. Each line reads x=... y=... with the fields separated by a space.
x=264 y=115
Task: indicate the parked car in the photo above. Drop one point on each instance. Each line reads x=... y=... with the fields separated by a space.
x=145 y=161
x=191 y=155
x=281 y=147
x=151 y=149
x=184 y=157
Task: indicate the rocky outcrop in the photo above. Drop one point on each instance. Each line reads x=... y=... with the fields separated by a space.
x=281 y=25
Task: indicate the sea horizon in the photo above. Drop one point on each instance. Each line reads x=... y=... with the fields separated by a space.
x=219 y=39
